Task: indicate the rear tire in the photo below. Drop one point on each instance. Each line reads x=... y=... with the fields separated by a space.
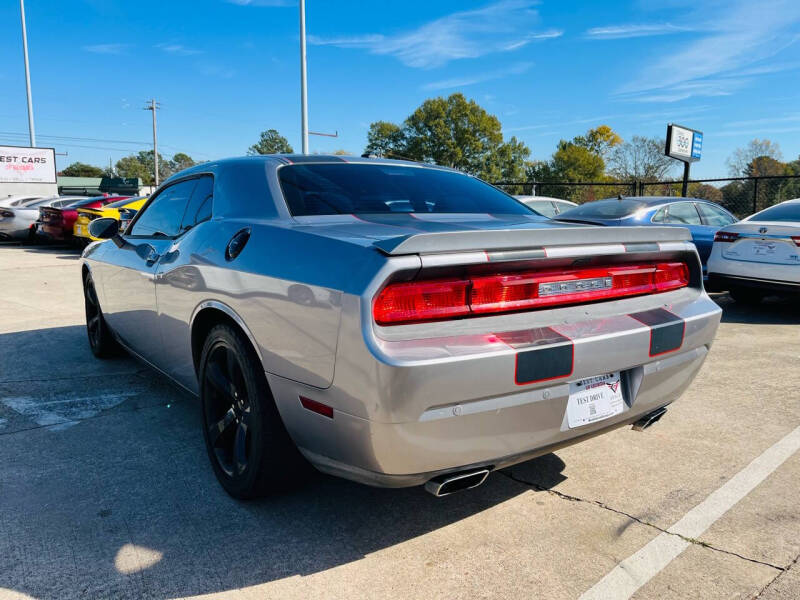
x=101 y=341
x=250 y=450
x=746 y=295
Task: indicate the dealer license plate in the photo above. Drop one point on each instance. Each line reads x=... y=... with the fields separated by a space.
x=594 y=399
x=764 y=248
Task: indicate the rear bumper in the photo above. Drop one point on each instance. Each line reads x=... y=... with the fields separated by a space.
x=53 y=232
x=410 y=410
x=719 y=282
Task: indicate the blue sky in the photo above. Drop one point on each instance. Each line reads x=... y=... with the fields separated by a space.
x=225 y=70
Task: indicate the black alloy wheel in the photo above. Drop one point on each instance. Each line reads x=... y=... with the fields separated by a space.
x=101 y=341
x=250 y=450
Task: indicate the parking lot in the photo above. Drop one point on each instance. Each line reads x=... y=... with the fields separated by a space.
x=106 y=489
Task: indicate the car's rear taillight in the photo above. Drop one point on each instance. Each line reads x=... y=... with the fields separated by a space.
x=439 y=299
x=6 y=213
x=726 y=236
x=796 y=240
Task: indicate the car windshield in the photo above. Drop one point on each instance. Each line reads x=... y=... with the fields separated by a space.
x=340 y=188
x=788 y=211
x=612 y=208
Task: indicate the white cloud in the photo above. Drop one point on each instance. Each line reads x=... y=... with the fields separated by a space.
x=106 y=48
x=741 y=40
x=178 y=49
x=459 y=82
x=615 y=32
x=498 y=27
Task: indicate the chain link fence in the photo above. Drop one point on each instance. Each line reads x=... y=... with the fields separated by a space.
x=742 y=196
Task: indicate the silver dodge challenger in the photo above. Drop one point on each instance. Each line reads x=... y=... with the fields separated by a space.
x=389 y=322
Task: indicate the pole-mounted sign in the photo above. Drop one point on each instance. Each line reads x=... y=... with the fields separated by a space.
x=685 y=145
x=27 y=165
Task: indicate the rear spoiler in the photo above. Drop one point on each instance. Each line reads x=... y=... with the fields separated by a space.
x=513 y=239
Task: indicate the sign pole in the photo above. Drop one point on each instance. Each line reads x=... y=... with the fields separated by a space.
x=31 y=129
x=685 y=187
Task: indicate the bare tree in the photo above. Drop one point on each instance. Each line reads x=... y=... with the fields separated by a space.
x=640 y=159
x=739 y=163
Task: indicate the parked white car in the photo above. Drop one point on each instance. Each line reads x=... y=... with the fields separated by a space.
x=546 y=206
x=18 y=222
x=17 y=200
x=758 y=255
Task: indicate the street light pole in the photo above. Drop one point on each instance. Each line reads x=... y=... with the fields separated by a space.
x=303 y=92
x=31 y=129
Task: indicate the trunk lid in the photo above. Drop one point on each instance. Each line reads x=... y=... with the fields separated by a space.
x=763 y=242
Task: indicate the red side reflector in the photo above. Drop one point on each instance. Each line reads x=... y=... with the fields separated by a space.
x=448 y=298
x=726 y=236
x=796 y=240
x=317 y=407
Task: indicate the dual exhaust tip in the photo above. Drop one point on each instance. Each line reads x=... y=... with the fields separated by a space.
x=444 y=485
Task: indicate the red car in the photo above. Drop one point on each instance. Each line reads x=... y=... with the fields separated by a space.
x=56 y=223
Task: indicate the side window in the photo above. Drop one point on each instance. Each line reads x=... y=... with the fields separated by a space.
x=660 y=216
x=714 y=216
x=199 y=207
x=163 y=217
x=682 y=213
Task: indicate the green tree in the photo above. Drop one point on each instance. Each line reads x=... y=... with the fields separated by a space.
x=453 y=132
x=179 y=162
x=271 y=142
x=600 y=140
x=706 y=192
x=142 y=165
x=385 y=139
x=79 y=169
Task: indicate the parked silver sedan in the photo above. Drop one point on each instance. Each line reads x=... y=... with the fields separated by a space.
x=389 y=322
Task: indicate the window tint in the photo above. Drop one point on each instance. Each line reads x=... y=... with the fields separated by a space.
x=199 y=207
x=162 y=218
x=341 y=188
x=612 y=208
x=714 y=215
x=789 y=211
x=660 y=216
x=682 y=213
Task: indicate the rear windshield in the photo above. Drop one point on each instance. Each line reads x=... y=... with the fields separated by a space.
x=331 y=189
x=84 y=202
x=612 y=208
x=781 y=212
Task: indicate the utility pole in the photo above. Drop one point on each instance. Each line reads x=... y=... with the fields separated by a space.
x=303 y=92
x=31 y=129
x=154 y=106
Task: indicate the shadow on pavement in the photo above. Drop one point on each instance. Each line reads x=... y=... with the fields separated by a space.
x=78 y=502
x=773 y=310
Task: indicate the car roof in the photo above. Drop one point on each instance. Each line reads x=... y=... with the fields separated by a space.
x=290 y=159
x=657 y=200
x=542 y=198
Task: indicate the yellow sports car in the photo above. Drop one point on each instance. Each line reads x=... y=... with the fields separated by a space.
x=121 y=210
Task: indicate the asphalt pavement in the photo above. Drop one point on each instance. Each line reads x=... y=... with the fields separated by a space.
x=106 y=490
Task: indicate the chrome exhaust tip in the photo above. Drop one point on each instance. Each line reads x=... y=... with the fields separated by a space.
x=649 y=419
x=444 y=485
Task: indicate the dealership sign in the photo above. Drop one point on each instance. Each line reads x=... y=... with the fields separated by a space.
x=683 y=143
x=27 y=165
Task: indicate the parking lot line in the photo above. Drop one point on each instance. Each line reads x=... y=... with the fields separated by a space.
x=636 y=570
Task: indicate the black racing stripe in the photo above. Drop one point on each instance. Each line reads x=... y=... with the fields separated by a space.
x=546 y=354
x=642 y=247
x=666 y=330
x=508 y=255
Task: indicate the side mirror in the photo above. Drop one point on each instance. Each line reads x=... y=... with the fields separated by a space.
x=104 y=229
